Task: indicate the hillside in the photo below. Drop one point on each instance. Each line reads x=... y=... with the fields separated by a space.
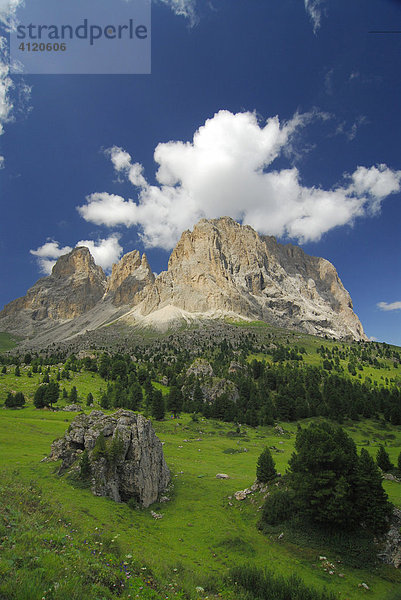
x=204 y=531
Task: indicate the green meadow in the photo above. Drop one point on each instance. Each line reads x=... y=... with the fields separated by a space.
x=55 y=536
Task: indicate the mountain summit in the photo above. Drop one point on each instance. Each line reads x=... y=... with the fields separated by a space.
x=219 y=269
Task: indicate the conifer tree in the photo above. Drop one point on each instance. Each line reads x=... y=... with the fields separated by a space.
x=373 y=507
x=158 y=406
x=105 y=401
x=73 y=397
x=39 y=398
x=136 y=396
x=265 y=468
x=19 y=399
x=321 y=473
x=52 y=393
x=9 y=401
x=383 y=460
x=174 y=402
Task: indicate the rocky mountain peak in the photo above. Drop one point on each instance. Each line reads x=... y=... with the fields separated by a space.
x=128 y=278
x=78 y=262
x=218 y=269
x=222 y=267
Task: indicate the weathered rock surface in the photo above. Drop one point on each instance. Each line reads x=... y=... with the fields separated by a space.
x=128 y=278
x=212 y=388
x=391 y=551
x=200 y=368
x=133 y=464
x=227 y=268
x=220 y=269
x=74 y=287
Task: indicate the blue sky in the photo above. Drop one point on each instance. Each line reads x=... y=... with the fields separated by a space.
x=285 y=115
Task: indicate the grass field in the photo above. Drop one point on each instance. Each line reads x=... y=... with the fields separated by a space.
x=204 y=530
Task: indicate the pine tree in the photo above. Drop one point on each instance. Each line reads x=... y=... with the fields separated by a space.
x=158 y=406
x=4 y=370
x=174 y=402
x=19 y=399
x=136 y=396
x=265 y=468
x=372 y=503
x=9 y=401
x=104 y=401
x=399 y=463
x=383 y=460
x=39 y=398
x=321 y=474
x=52 y=393
x=73 y=397
x=17 y=371
x=89 y=399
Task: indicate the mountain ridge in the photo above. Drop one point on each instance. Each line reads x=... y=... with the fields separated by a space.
x=218 y=269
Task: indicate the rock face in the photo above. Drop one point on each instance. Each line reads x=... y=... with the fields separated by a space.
x=219 y=269
x=74 y=287
x=225 y=267
x=132 y=464
x=129 y=277
x=391 y=551
x=212 y=388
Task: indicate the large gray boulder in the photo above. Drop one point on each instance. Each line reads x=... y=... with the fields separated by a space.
x=131 y=464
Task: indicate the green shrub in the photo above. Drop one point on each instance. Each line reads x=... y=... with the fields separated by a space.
x=264 y=585
x=278 y=507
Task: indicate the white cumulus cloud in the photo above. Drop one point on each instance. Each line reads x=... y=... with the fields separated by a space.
x=105 y=252
x=389 y=306
x=314 y=8
x=48 y=254
x=7 y=20
x=183 y=8
x=228 y=169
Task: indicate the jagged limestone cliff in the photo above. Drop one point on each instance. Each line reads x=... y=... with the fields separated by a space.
x=223 y=267
x=220 y=268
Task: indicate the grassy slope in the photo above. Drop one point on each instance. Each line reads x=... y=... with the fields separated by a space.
x=311 y=344
x=7 y=341
x=200 y=535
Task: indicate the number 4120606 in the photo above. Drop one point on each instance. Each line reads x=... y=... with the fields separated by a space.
x=42 y=47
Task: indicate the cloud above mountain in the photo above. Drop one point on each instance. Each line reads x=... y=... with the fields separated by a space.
x=228 y=169
x=105 y=252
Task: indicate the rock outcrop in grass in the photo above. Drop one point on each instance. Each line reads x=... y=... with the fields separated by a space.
x=119 y=453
